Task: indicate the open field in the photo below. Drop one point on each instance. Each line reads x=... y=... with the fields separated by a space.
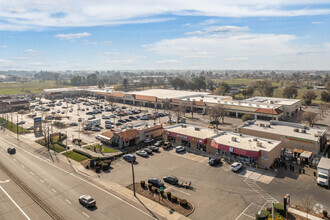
x=33 y=87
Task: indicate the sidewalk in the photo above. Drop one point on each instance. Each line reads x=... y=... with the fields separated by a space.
x=303 y=214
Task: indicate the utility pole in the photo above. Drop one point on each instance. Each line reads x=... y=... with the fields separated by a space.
x=17 y=128
x=133 y=178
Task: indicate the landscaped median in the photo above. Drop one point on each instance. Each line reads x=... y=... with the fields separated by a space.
x=166 y=199
x=54 y=142
x=97 y=150
x=13 y=127
x=75 y=156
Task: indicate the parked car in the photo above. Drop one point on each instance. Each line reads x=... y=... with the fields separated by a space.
x=96 y=129
x=108 y=126
x=73 y=124
x=105 y=117
x=154 y=148
x=87 y=201
x=30 y=128
x=108 y=122
x=180 y=149
x=171 y=180
x=147 y=141
x=118 y=124
x=128 y=120
x=149 y=151
x=214 y=161
x=129 y=157
x=132 y=118
x=79 y=119
x=21 y=123
x=89 y=113
x=159 y=143
x=121 y=121
x=142 y=153
x=167 y=145
x=156 y=182
x=144 y=118
x=171 y=121
x=112 y=116
x=236 y=166
x=11 y=150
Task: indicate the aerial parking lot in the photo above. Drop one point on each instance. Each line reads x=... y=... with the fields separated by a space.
x=216 y=191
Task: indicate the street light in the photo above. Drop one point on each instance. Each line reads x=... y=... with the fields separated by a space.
x=133 y=178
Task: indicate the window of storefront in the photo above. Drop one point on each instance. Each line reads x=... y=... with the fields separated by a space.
x=201 y=147
x=171 y=139
x=185 y=143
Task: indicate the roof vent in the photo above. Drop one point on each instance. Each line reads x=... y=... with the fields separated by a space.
x=296 y=130
x=259 y=144
x=255 y=139
x=303 y=131
x=183 y=125
x=267 y=126
x=262 y=125
x=241 y=135
x=233 y=138
x=214 y=97
x=197 y=129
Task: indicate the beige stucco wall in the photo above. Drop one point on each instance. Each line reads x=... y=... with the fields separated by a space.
x=270 y=155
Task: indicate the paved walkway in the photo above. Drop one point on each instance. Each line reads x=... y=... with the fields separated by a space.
x=303 y=214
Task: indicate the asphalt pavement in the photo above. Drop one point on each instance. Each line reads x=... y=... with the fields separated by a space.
x=60 y=188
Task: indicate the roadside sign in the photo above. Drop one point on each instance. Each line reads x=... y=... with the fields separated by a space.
x=38 y=119
x=161 y=189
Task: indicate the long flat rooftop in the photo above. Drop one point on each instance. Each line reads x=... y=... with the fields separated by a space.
x=245 y=142
x=285 y=129
x=272 y=100
x=192 y=131
x=168 y=93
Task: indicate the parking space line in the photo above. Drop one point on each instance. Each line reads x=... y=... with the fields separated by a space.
x=22 y=166
x=85 y=214
x=181 y=191
x=54 y=190
x=14 y=159
x=248 y=215
x=67 y=201
x=32 y=173
x=42 y=181
x=244 y=211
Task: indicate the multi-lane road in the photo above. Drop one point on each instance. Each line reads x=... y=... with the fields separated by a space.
x=58 y=186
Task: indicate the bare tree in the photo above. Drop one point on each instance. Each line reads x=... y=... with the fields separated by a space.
x=169 y=114
x=310 y=117
x=183 y=108
x=307 y=202
x=323 y=109
x=217 y=113
x=177 y=111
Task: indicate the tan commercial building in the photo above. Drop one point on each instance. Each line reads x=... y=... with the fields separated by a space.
x=292 y=135
x=249 y=150
x=12 y=105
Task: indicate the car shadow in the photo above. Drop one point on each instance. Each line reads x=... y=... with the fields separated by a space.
x=94 y=208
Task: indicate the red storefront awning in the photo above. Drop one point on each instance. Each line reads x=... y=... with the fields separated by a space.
x=235 y=150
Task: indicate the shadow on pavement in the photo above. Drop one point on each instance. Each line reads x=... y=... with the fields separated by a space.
x=153 y=215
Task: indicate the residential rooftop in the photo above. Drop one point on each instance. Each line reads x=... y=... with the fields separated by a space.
x=286 y=129
x=192 y=131
x=168 y=93
x=245 y=142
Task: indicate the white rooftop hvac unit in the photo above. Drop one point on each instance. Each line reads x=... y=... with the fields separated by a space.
x=259 y=144
x=255 y=139
x=197 y=129
x=233 y=138
x=303 y=131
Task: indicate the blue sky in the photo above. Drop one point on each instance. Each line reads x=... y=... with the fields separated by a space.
x=147 y=35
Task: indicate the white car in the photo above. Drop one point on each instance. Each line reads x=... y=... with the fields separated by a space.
x=236 y=166
x=180 y=149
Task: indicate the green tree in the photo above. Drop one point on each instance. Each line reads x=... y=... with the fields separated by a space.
x=91 y=79
x=310 y=117
x=125 y=83
x=325 y=96
x=265 y=88
x=290 y=92
x=101 y=84
x=118 y=87
x=76 y=81
x=309 y=96
x=246 y=117
x=222 y=89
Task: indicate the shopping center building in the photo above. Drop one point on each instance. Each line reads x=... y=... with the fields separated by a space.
x=293 y=135
x=249 y=150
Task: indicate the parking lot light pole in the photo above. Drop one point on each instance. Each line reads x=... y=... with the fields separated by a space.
x=133 y=178
x=17 y=128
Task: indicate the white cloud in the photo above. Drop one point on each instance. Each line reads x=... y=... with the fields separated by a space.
x=119 y=61
x=30 y=51
x=36 y=64
x=110 y=53
x=194 y=33
x=208 y=22
x=318 y=22
x=72 y=36
x=5 y=61
x=36 y=14
x=226 y=29
x=237 y=58
x=3 y=47
x=167 y=61
x=107 y=42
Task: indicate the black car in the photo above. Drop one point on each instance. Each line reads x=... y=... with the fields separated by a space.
x=156 y=182
x=128 y=120
x=154 y=148
x=121 y=121
x=11 y=150
x=149 y=151
x=214 y=161
x=118 y=124
x=171 y=180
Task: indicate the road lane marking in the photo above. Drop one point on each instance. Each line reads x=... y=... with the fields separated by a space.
x=85 y=214
x=78 y=177
x=67 y=201
x=22 y=166
x=54 y=190
x=42 y=181
x=5 y=181
x=26 y=216
x=14 y=159
x=32 y=173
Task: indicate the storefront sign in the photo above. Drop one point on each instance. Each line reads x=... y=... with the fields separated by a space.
x=299 y=139
x=188 y=138
x=235 y=150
